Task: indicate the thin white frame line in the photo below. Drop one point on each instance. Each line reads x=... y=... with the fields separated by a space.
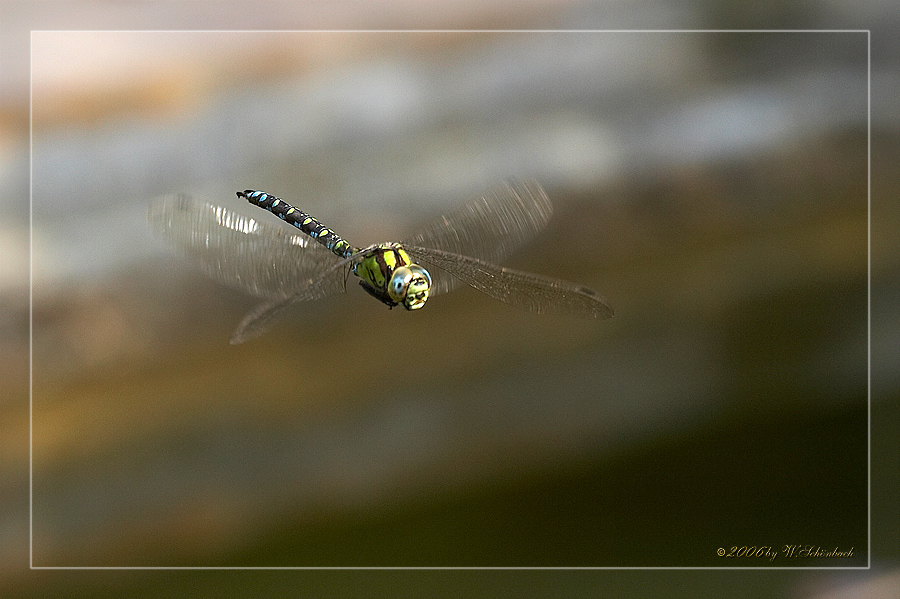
x=30 y=302
x=31 y=565
x=869 y=269
x=451 y=31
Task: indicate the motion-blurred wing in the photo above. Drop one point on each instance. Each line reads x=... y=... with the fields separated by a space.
x=528 y=291
x=490 y=227
x=265 y=260
x=261 y=318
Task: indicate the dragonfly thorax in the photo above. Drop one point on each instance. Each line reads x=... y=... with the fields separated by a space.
x=387 y=273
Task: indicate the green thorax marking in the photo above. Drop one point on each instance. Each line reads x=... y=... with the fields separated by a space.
x=375 y=265
x=388 y=274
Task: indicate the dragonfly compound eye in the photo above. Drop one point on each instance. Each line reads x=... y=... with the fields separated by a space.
x=409 y=285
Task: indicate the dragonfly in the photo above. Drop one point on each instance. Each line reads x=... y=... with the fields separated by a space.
x=283 y=267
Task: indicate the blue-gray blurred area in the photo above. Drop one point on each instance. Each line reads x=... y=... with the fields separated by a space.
x=713 y=186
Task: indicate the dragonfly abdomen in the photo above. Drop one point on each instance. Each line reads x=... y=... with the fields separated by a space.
x=301 y=220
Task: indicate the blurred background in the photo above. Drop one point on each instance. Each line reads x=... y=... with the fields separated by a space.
x=713 y=186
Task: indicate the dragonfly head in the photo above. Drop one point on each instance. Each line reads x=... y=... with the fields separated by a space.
x=409 y=285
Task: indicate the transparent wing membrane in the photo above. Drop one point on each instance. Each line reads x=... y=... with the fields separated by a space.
x=490 y=227
x=528 y=291
x=258 y=320
x=268 y=260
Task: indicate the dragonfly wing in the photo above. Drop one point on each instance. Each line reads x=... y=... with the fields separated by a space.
x=525 y=290
x=265 y=260
x=490 y=227
x=255 y=323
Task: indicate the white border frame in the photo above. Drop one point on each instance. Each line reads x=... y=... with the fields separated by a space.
x=31 y=565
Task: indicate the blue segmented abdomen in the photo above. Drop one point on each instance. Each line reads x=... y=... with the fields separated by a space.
x=301 y=220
